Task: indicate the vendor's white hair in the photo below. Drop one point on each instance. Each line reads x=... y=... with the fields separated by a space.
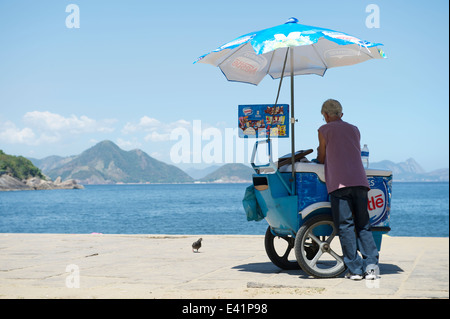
x=332 y=108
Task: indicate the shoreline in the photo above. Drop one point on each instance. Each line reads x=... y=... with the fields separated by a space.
x=159 y=266
x=73 y=184
x=156 y=235
x=10 y=183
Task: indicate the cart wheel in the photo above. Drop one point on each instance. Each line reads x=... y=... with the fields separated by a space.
x=315 y=250
x=283 y=244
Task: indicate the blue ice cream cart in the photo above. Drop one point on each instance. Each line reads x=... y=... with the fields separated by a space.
x=291 y=195
x=299 y=212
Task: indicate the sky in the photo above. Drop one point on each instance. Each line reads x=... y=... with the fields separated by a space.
x=124 y=72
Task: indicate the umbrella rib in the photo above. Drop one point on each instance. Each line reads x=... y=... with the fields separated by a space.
x=282 y=75
x=270 y=63
x=320 y=57
x=365 y=46
x=369 y=53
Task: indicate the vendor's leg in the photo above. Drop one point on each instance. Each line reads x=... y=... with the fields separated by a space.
x=343 y=220
x=366 y=243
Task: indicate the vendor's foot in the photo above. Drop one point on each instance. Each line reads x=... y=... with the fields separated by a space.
x=351 y=276
x=371 y=275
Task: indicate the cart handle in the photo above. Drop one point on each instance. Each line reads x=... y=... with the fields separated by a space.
x=271 y=164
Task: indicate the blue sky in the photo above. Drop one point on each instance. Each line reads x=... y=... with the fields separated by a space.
x=127 y=75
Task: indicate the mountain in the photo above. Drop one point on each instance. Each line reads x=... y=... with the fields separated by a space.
x=198 y=173
x=106 y=163
x=230 y=173
x=407 y=171
x=411 y=171
x=48 y=163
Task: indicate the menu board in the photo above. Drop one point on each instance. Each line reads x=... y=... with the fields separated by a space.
x=260 y=120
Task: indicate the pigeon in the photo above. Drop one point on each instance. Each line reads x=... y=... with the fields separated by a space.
x=197 y=244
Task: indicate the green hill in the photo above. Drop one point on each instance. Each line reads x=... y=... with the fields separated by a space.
x=106 y=163
x=18 y=167
x=230 y=173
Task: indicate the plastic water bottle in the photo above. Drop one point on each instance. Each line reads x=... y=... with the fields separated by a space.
x=365 y=156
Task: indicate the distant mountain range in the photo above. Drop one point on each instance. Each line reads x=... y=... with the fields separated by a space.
x=199 y=173
x=230 y=173
x=106 y=163
x=411 y=171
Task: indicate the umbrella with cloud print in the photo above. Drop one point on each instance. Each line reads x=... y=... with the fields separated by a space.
x=287 y=50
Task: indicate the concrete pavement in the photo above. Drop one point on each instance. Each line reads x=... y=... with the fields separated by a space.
x=227 y=266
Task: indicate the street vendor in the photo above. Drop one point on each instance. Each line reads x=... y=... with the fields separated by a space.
x=347 y=186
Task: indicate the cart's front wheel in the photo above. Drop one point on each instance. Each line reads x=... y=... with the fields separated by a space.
x=279 y=248
x=315 y=250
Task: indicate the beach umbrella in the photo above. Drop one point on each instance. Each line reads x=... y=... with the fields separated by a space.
x=287 y=50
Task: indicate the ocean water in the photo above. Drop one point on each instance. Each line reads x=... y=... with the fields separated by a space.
x=418 y=209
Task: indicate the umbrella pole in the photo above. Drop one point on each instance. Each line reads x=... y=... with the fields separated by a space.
x=292 y=121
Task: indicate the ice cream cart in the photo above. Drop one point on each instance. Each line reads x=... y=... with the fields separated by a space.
x=292 y=197
x=299 y=212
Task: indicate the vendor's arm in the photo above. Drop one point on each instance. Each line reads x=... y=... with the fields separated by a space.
x=321 y=150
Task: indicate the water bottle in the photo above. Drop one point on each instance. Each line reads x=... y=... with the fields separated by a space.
x=365 y=156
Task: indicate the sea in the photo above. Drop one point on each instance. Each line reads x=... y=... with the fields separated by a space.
x=417 y=209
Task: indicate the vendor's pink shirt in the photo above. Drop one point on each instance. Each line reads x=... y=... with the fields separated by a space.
x=343 y=165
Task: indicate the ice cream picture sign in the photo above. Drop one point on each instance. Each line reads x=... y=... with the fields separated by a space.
x=262 y=120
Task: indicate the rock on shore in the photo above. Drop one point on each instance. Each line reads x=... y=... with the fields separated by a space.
x=9 y=183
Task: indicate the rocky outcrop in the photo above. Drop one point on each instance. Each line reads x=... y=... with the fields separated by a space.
x=9 y=183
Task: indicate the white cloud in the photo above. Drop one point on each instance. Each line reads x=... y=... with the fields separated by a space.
x=10 y=134
x=157 y=155
x=157 y=137
x=146 y=121
x=158 y=131
x=127 y=144
x=145 y=124
x=47 y=128
x=52 y=122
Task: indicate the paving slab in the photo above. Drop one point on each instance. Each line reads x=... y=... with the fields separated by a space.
x=100 y=266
